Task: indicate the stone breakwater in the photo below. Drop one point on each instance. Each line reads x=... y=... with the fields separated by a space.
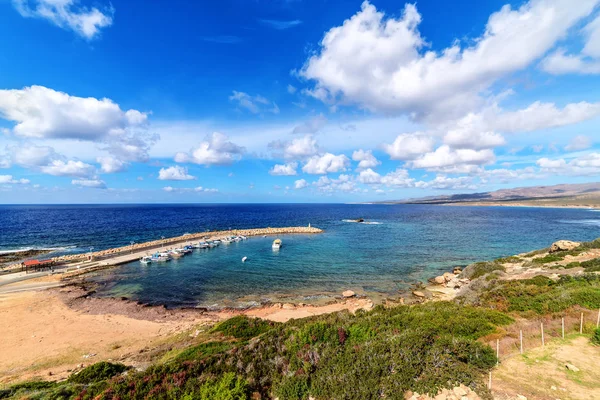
x=186 y=239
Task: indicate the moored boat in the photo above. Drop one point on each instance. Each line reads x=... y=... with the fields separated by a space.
x=146 y=260
x=276 y=244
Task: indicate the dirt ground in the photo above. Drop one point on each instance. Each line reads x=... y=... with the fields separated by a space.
x=541 y=373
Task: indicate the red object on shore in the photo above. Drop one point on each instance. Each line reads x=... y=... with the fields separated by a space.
x=37 y=264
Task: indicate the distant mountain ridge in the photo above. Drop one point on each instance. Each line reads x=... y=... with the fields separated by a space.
x=567 y=195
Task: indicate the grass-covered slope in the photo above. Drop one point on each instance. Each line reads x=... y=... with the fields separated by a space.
x=371 y=355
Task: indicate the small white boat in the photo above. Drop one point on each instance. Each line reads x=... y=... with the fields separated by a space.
x=160 y=257
x=146 y=260
x=244 y=259
x=276 y=244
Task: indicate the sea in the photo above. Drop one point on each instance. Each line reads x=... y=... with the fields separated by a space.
x=398 y=247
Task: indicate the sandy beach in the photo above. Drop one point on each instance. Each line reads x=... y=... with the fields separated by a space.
x=51 y=333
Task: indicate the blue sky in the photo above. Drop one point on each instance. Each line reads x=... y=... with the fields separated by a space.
x=294 y=101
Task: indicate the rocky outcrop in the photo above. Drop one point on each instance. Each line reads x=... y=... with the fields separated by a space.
x=348 y=293
x=563 y=245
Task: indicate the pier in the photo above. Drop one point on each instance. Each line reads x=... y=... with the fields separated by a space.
x=134 y=251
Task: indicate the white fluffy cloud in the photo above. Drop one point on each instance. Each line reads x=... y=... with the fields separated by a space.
x=300 y=184
x=40 y=112
x=288 y=169
x=32 y=156
x=255 y=104
x=111 y=164
x=326 y=163
x=446 y=183
x=72 y=168
x=67 y=14
x=389 y=71
x=91 y=183
x=343 y=183
x=175 y=173
x=368 y=176
x=8 y=179
x=579 y=142
x=409 y=146
x=585 y=165
x=446 y=159
x=217 y=149
x=586 y=62
x=365 y=159
x=296 y=149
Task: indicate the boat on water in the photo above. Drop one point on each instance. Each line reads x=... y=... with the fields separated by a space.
x=276 y=244
x=146 y=260
x=244 y=259
x=160 y=257
x=176 y=253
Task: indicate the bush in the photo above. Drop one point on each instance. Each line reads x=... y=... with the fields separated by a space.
x=480 y=269
x=543 y=295
x=292 y=388
x=242 y=327
x=596 y=337
x=548 y=259
x=203 y=350
x=98 y=372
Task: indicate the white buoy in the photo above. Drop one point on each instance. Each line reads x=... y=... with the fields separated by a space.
x=244 y=259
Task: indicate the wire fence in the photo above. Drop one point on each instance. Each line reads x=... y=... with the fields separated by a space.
x=529 y=334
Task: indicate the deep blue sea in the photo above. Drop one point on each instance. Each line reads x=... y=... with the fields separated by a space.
x=409 y=243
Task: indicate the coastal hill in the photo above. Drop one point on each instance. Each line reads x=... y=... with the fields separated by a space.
x=563 y=195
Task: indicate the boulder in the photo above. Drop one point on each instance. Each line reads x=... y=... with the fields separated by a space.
x=440 y=280
x=521 y=397
x=571 y=367
x=348 y=293
x=448 y=276
x=288 y=306
x=563 y=245
x=418 y=294
x=457 y=270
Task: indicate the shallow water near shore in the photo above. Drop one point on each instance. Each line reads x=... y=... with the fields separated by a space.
x=408 y=243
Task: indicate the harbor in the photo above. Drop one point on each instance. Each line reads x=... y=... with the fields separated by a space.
x=161 y=250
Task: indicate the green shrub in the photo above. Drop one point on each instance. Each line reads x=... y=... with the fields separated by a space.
x=509 y=260
x=591 y=265
x=480 y=269
x=203 y=350
x=98 y=372
x=242 y=327
x=292 y=388
x=543 y=295
x=548 y=259
x=228 y=387
x=596 y=337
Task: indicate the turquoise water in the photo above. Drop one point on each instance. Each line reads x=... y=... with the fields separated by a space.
x=409 y=243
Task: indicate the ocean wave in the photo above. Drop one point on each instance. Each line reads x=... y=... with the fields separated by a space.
x=34 y=248
x=592 y=222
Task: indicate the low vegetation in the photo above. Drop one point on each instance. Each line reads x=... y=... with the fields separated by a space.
x=370 y=355
x=543 y=295
x=596 y=337
x=480 y=269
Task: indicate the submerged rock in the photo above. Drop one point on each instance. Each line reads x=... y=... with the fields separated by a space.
x=418 y=294
x=563 y=245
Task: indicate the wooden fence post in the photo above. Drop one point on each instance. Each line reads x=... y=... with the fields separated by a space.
x=542 y=328
x=598 y=320
x=521 y=340
x=581 y=325
x=563 y=327
x=497 y=351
